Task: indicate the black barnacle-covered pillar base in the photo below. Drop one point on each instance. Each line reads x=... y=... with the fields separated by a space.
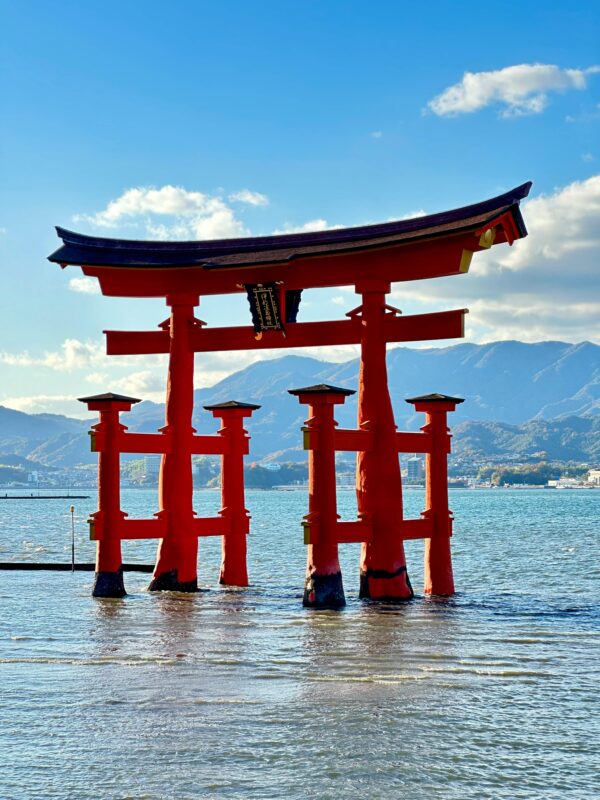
x=169 y=582
x=109 y=584
x=324 y=591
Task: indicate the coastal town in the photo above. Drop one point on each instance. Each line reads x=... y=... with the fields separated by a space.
x=28 y=477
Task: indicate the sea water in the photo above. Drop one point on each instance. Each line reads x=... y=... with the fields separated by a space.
x=242 y=693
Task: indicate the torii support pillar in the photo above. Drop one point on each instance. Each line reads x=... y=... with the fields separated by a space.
x=323 y=587
x=234 y=571
x=177 y=556
x=438 y=577
x=105 y=440
x=383 y=574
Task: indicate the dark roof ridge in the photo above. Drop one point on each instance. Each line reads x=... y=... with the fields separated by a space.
x=256 y=243
x=322 y=388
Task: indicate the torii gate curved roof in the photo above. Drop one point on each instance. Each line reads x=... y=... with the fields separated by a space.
x=409 y=249
x=249 y=251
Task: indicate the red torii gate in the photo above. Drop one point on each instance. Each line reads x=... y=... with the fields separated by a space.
x=322 y=529
x=274 y=270
x=109 y=525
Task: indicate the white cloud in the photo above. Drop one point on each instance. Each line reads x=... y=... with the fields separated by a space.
x=193 y=215
x=47 y=404
x=97 y=378
x=72 y=355
x=376 y=134
x=532 y=319
x=168 y=200
x=411 y=215
x=544 y=287
x=564 y=232
x=111 y=374
x=587 y=157
x=162 y=232
x=520 y=89
x=189 y=215
x=312 y=225
x=146 y=384
x=77 y=355
x=84 y=285
x=251 y=198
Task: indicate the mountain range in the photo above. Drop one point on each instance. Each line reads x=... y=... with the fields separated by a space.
x=519 y=398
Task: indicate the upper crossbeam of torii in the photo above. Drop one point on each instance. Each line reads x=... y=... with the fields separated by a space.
x=273 y=271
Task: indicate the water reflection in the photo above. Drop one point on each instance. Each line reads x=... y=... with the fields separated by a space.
x=373 y=651
x=108 y=609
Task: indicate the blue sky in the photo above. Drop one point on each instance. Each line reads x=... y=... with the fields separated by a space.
x=193 y=119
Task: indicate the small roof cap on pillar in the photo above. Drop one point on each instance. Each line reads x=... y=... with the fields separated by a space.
x=322 y=388
x=231 y=404
x=435 y=398
x=109 y=397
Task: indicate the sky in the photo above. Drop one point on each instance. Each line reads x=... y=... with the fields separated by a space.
x=198 y=120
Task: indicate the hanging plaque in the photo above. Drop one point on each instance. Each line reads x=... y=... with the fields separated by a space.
x=264 y=306
x=292 y=304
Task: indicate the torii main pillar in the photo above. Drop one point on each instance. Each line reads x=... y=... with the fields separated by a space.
x=176 y=560
x=383 y=572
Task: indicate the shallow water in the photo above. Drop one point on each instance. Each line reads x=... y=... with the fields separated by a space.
x=244 y=694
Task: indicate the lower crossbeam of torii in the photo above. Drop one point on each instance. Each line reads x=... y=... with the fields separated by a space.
x=273 y=271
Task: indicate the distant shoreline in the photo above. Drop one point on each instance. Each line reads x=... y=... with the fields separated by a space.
x=45 y=497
